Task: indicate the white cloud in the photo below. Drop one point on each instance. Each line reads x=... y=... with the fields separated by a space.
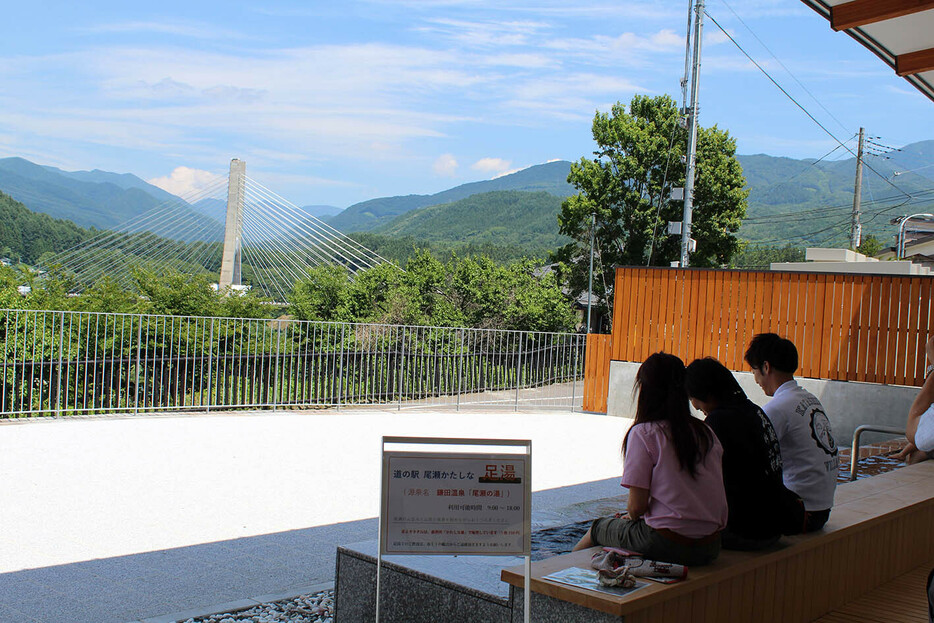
x=496 y=166
x=184 y=181
x=445 y=165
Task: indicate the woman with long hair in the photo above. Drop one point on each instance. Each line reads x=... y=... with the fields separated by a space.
x=672 y=468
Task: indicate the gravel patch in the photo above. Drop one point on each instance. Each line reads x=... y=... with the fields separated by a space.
x=314 y=608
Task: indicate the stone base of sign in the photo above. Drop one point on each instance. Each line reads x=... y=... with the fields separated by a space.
x=417 y=589
x=546 y=609
x=415 y=595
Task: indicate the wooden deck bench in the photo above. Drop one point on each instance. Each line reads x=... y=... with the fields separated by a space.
x=880 y=528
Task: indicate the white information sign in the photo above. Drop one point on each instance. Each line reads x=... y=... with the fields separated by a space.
x=455 y=503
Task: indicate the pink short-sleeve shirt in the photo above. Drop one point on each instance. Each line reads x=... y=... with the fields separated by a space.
x=692 y=507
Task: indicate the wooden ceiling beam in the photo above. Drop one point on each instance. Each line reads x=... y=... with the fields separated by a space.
x=914 y=62
x=861 y=12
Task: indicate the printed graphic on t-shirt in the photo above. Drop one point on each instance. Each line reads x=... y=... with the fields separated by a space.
x=820 y=431
x=771 y=443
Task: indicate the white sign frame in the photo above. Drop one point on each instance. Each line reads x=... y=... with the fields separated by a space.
x=402 y=493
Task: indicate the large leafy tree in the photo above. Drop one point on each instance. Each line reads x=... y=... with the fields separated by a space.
x=471 y=291
x=626 y=189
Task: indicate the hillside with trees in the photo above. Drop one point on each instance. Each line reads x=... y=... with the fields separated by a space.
x=25 y=235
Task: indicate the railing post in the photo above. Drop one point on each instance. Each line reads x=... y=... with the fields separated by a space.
x=139 y=346
x=460 y=369
x=210 y=366
x=401 y=364
x=340 y=374
x=61 y=362
x=518 y=373
x=275 y=386
x=574 y=369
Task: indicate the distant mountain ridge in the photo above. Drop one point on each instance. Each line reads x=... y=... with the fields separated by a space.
x=87 y=198
x=522 y=219
x=780 y=188
x=550 y=177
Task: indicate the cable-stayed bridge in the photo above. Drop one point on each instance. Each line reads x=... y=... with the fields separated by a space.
x=234 y=228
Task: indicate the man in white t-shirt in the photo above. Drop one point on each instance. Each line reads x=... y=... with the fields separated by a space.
x=809 y=452
x=920 y=426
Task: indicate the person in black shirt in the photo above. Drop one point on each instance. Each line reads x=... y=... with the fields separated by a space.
x=761 y=508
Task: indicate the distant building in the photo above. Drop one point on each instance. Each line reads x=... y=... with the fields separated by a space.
x=846 y=261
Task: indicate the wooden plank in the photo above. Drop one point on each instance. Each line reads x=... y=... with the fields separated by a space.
x=857 y=13
x=911 y=314
x=698 y=297
x=865 y=313
x=843 y=332
x=915 y=62
x=823 y=331
x=746 y=295
x=711 y=315
x=798 y=314
x=900 y=356
x=892 y=330
x=653 y=281
x=620 y=309
x=924 y=316
x=671 y=316
x=778 y=600
x=763 y=304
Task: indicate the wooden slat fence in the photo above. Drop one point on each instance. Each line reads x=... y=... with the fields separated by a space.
x=597 y=372
x=867 y=328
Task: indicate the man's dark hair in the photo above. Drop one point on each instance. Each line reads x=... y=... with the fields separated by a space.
x=779 y=352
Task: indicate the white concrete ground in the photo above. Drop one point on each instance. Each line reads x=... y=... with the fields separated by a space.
x=79 y=495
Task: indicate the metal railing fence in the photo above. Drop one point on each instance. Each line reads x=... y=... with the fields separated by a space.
x=61 y=363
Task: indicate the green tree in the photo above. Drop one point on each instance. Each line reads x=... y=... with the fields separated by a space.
x=870 y=246
x=321 y=295
x=626 y=188
x=762 y=256
x=176 y=294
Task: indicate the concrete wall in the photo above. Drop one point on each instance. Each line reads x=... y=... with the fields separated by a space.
x=848 y=404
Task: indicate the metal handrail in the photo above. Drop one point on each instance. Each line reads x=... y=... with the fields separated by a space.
x=854 y=450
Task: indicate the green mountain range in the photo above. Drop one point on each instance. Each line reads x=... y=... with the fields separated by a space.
x=550 y=177
x=796 y=202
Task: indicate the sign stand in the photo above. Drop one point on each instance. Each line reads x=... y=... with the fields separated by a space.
x=461 y=502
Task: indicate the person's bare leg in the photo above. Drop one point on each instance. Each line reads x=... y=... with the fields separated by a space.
x=916 y=457
x=585 y=542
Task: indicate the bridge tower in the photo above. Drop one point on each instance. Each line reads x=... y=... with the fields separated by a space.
x=230 y=263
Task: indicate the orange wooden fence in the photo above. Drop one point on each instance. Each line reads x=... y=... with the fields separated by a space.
x=597 y=372
x=847 y=327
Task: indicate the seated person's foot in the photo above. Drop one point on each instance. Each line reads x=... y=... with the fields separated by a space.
x=905 y=453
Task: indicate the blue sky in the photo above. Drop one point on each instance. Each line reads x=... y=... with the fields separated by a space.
x=335 y=103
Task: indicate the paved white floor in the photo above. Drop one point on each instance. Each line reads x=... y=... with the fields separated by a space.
x=120 y=519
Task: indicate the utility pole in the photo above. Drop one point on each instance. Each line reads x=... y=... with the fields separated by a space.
x=593 y=226
x=855 y=227
x=692 y=137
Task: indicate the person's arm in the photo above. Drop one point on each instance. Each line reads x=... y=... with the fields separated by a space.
x=924 y=399
x=638 y=502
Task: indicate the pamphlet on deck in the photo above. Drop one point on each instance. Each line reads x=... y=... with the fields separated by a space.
x=587 y=578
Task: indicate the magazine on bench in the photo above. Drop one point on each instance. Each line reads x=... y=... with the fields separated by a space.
x=587 y=578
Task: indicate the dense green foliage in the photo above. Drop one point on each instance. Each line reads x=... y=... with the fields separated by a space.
x=26 y=235
x=761 y=256
x=626 y=187
x=463 y=292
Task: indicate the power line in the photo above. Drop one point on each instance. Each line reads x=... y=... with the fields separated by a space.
x=796 y=103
